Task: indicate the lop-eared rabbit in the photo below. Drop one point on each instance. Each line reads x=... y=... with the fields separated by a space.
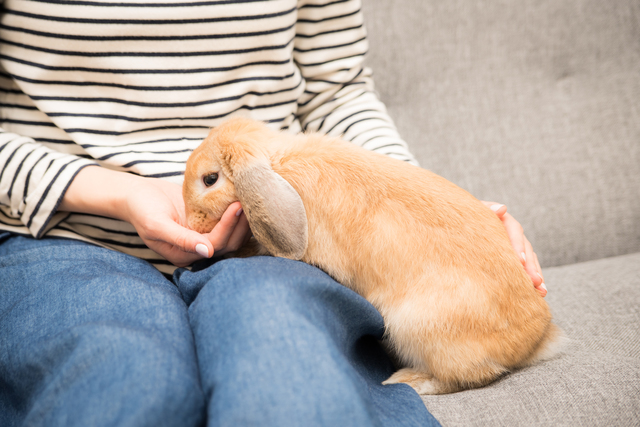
x=459 y=308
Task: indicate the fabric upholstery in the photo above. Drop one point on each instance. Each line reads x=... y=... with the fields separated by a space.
x=535 y=105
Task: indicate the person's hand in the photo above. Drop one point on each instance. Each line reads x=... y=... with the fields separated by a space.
x=156 y=209
x=521 y=245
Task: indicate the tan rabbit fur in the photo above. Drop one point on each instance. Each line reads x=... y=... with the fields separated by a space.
x=458 y=306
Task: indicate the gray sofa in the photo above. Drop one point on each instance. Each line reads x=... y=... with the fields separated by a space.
x=535 y=105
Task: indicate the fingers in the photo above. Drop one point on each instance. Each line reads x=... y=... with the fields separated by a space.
x=179 y=245
x=182 y=246
x=516 y=236
x=538 y=267
x=542 y=288
x=513 y=227
x=521 y=245
x=241 y=234
x=239 y=237
x=229 y=234
x=532 y=267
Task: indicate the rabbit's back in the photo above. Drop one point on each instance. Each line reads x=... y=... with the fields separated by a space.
x=433 y=259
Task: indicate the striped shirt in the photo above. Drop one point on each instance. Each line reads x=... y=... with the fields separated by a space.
x=136 y=86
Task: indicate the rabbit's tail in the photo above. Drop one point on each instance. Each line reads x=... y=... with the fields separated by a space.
x=552 y=342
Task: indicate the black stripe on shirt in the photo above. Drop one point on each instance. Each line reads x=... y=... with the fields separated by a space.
x=155 y=5
x=7 y=163
x=167 y=105
x=147 y=38
x=151 y=88
x=22 y=107
x=141 y=162
x=360 y=121
x=348 y=117
x=324 y=33
x=330 y=18
x=10 y=221
x=165 y=174
x=382 y=146
x=337 y=46
x=16 y=173
x=219 y=116
x=142 y=142
x=27 y=123
x=149 y=21
x=28 y=178
x=148 y=54
x=315 y=64
x=54 y=141
x=77 y=220
x=124 y=153
x=109 y=242
x=309 y=6
x=143 y=71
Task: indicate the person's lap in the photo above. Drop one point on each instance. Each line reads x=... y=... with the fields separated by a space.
x=89 y=336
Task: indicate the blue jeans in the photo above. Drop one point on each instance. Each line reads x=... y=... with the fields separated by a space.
x=90 y=336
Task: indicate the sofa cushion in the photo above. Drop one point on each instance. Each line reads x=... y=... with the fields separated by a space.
x=594 y=381
x=532 y=104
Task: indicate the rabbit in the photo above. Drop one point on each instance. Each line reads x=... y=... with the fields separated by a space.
x=459 y=309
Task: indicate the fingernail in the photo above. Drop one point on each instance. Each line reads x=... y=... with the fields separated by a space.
x=524 y=257
x=543 y=286
x=239 y=212
x=539 y=275
x=202 y=250
x=496 y=207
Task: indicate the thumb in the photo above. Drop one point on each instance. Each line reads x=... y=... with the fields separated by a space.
x=498 y=208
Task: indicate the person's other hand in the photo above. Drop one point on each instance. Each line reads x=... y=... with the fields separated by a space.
x=521 y=245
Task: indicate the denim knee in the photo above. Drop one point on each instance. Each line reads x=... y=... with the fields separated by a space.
x=281 y=337
x=89 y=336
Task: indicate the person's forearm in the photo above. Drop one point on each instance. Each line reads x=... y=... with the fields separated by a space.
x=99 y=191
x=33 y=178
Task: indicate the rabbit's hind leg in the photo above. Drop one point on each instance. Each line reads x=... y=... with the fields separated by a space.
x=421 y=382
x=425 y=383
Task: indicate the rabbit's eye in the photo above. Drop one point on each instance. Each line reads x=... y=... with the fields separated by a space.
x=210 y=179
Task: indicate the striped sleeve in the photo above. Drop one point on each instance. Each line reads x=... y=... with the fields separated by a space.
x=33 y=180
x=339 y=98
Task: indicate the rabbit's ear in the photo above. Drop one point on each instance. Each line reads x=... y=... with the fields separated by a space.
x=275 y=211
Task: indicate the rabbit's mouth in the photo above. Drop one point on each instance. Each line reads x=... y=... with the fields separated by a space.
x=201 y=221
